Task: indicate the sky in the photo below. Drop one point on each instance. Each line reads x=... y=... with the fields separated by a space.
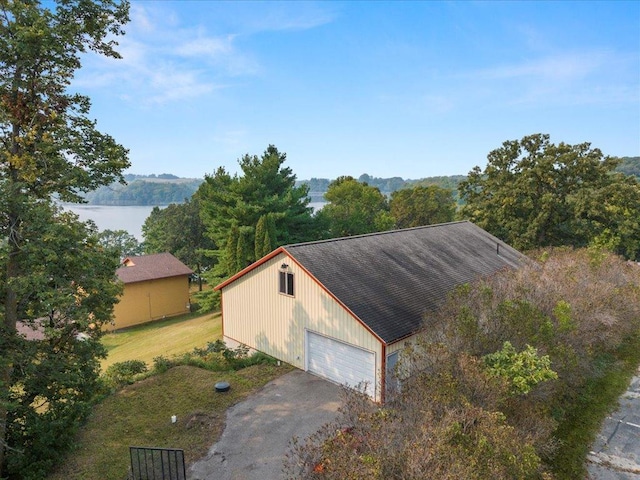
x=392 y=89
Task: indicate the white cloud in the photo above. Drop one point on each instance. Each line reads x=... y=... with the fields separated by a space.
x=566 y=78
x=163 y=61
x=563 y=67
x=205 y=47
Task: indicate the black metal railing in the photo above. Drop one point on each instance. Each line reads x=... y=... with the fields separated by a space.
x=149 y=463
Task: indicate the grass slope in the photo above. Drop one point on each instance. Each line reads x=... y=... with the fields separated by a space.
x=140 y=415
x=164 y=337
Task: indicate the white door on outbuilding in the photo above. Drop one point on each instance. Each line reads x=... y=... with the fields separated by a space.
x=340 y=362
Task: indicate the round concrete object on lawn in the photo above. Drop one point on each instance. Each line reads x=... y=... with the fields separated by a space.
x=222 y=386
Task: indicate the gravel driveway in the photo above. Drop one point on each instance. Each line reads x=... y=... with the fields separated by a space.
x=258 y=429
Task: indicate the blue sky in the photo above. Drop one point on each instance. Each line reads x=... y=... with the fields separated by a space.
x=409 y=89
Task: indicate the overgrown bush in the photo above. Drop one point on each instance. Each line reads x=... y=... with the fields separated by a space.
x=215 y=356
x=123 y=373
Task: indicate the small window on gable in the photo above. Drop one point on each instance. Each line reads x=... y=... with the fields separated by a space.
x=286 y=283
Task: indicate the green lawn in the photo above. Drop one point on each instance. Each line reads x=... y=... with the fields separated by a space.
x=163 y=337
x=140 y=415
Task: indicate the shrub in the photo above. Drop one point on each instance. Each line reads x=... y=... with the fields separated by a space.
x=123 y=373
x=161 y=364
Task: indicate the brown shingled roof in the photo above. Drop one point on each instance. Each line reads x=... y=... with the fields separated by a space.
x=151 y=267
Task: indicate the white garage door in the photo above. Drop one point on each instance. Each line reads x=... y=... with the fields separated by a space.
x=341 y=362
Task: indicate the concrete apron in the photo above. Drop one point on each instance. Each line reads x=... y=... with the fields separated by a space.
x=258 y=429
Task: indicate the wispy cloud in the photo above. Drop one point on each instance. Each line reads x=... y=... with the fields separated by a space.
x=565 y=78
x=164 y=61
x=563 y=67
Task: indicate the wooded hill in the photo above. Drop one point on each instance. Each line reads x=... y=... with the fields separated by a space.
x=165 y=188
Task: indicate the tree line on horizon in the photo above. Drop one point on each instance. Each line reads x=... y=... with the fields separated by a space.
x=165 y=189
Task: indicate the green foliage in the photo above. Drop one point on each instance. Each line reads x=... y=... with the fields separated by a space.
x=145 y=191
x=215 y=356
x=533 y=193
x=260 y=237
x=238 y=202
x=523 y=370
x=161 y=364
x=123 y=373
x=67 y=294
x=265 y=231
x=231 y=250
x=443 y=423
x=178 y=229
x=121 y=242
x=244 y=253
x=417 y=206
x=568 y=308
x=385 y=185
x=54 y=275
x=319 y=186
x=354 y=208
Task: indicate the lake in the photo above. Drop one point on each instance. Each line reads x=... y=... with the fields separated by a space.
x=129 y=218
x=110 y=217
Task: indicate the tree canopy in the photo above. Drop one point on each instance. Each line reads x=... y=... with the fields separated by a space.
x=418 y=205
x=121 y=242
x=232 y=208
x=53 y=274
x=533 y=193
x=353 y=208
x=178 y=229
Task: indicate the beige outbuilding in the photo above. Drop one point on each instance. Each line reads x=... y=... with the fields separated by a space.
x=343 y=308
x=155 y=287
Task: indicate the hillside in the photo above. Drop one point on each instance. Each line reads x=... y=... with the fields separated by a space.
x=630 y=166
x=166 y=188
x=145 y=190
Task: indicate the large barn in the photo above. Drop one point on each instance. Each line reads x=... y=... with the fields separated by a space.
x=343 y=308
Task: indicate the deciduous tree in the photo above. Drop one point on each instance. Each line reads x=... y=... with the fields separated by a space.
x=354 y=208
x=533 y=193
x=416 y=206
x=49 y=147
x=178 y=229
x=121 y=242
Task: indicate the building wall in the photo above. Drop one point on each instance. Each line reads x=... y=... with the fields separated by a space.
x=143 y=302
x=256 y=314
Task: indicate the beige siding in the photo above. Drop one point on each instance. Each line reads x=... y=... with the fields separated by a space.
x=151 y=300
x=256 y=314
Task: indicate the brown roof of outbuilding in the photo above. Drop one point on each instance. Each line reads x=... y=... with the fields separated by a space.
x=151 y=267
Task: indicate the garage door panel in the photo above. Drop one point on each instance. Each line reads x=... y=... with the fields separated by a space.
x=340 y=362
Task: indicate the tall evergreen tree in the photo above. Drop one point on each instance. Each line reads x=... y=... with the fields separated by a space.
x=270 y=234
x=261 y=233
x=49 y=147
x=266 y=187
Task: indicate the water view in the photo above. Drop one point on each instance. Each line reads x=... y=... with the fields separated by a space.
x=129 y=217
x=110 y=217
